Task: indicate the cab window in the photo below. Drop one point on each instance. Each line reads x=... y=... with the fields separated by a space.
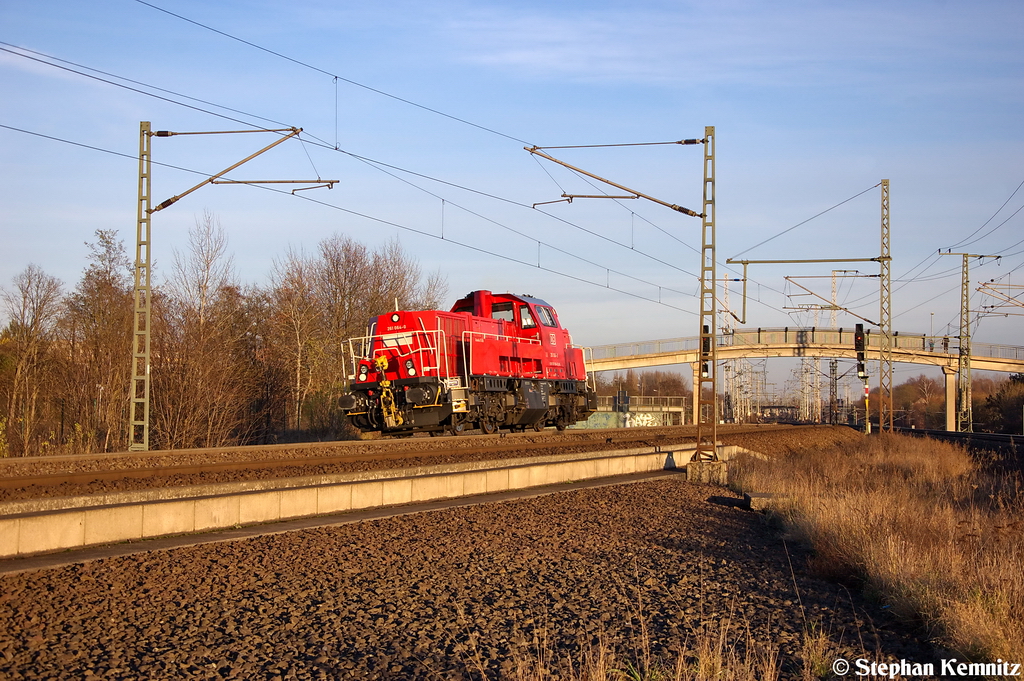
x=503 y=311
x=525 y=318
x=547 y=317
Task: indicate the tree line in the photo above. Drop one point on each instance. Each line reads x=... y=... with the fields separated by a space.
x=230 y=363
x=996 y=404
x=643 y=383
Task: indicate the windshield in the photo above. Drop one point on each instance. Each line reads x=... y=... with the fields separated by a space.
x=547 y=317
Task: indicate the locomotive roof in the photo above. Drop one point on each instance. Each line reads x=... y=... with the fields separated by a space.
x=529 y=299
x=518 y=296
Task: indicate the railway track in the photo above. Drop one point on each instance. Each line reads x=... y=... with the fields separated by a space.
x=274 y=464
x=970 y=440
x=75 y=475
x=57 y=511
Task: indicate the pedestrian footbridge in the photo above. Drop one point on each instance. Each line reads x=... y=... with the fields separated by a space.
x=940 y=351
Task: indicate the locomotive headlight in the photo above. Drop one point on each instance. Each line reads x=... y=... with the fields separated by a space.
x=410 y=368
x=395 y=317
x=362 y=372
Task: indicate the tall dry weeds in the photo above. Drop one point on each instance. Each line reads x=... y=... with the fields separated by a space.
x=919 y=524
x=712 y=654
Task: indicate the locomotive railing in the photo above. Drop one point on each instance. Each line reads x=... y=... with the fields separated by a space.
x=428 y=343
x=588 y=366
x=467 y=339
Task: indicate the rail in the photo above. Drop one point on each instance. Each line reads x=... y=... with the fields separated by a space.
x=468 y=338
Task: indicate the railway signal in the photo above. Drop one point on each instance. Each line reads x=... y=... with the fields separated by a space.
x=858 y=345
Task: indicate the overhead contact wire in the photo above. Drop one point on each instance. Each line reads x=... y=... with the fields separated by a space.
x=318 y=142
x=334 y=75
x=523 y=234
x=394 y=224
x=786 y=231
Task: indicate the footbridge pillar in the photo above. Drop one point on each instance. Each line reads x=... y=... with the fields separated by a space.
x=949 y=373
x=696 y=387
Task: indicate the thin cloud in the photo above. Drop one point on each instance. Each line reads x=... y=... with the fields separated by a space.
x=738 y=43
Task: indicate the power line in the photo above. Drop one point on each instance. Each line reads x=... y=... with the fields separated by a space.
x=397 y=225
x=619 y=203
x=374 y=163
x=132 y=89
x=965 y=242
x=334 y=75
x=380 y=165
x=137 y=82
x=321 y=143
x=535 y=240
x=133 y=157
x=1003 y=223
x=939 y=295
x=785 y=231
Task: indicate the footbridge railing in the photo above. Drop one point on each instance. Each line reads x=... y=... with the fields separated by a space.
x=807 y=342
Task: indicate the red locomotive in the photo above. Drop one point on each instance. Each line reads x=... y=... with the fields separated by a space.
x=494 y=361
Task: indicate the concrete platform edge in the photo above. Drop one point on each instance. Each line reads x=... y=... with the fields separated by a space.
x=50 y=528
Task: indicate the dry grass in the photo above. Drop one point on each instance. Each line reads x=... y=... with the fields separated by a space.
x=710 y=654
x=713 y=652
x=919 y=525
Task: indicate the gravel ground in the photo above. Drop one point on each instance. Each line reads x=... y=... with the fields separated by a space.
x=765 y=439
x=441 y=595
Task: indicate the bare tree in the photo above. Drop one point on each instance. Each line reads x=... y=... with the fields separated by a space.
x=96 y=335
x=32 y=308
x=297 y=323
x=319 y=301
x=199 y=275
x=203 y=374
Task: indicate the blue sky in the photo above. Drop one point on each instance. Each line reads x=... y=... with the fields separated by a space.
x=813 y=104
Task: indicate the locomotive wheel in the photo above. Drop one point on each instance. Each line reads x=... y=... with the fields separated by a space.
x=538 y=426
x=488 y=427
x=456 y=429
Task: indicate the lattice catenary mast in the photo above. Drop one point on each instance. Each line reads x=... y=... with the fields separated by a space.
x=707 y=407
x=884 y=259
x=965 y=411
x=138 y=415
